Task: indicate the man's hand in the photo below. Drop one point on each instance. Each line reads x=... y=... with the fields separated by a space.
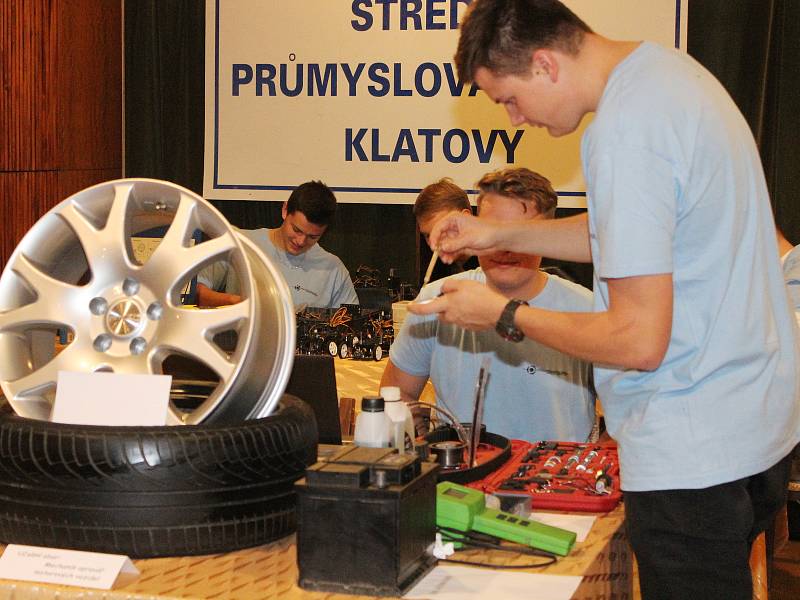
x=458 y=234
x=207 y=297
x=634 y=333
x=468 y=304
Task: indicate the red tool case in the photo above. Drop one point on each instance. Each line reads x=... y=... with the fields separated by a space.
x=558 y=476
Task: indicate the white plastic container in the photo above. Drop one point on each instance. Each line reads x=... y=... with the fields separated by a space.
x=402 y=436
x=399 y=311
x=373 y=426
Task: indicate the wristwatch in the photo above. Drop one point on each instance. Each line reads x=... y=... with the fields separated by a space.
x=505 y=325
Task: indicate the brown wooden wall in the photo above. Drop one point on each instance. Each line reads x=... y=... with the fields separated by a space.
x=60 y=105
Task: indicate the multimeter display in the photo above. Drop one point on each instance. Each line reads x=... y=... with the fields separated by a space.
x=454 y=492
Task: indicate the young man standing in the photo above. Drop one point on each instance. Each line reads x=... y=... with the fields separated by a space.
x=315 y=276
x=692 y=336
x=534 y=392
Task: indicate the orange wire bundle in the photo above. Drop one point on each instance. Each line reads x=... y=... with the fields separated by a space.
x=339 y=317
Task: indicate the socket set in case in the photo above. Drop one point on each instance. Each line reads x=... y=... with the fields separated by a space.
x=558 y=476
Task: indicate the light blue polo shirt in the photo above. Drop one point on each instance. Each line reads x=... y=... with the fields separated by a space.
x=533 y=393
x=315 y=278
x=675 y=185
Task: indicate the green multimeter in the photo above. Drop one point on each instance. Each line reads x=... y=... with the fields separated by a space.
x=464 y=509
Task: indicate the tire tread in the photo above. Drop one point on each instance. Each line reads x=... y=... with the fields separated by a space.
x=153 y=491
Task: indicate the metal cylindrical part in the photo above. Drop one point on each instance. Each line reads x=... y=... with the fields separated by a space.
x=449 y=454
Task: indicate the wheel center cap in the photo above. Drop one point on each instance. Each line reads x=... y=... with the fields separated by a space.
x=124 y=318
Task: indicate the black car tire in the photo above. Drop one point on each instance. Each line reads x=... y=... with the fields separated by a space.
x=154 y=491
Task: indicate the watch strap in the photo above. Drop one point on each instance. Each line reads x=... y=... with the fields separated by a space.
x=505 y=325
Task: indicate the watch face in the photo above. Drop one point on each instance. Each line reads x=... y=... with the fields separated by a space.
x=513 y=335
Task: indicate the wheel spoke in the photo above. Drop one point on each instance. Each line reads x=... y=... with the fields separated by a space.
x=115 y=231
x=207 y=322
x=190 y=332
x=28 y=316
x=44 y=378
x=81 y=227
x=179 y=230
x=215 y=359
x=43 y=284
x=107 y=244
x=209 y=354
x=172 y=264
x=51 y=295
x=206 y=252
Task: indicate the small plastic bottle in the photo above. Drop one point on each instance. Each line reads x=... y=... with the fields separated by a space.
x=373 y=427
x=402 y=436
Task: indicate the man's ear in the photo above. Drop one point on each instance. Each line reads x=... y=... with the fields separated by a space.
x=283 y=209
x=466 y=211
x=545 y=62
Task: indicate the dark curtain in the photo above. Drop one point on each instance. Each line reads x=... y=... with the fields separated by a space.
x=164 y=93
x=750 y=45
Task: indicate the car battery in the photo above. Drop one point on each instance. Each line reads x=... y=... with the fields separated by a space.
x=366 y=518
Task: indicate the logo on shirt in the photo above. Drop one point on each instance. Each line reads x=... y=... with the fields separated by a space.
x=299 y=287
x=532 y=369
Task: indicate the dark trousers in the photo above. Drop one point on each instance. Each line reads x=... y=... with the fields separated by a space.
x=696 y=543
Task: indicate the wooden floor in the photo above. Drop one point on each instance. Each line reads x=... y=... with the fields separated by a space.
x=785 y=583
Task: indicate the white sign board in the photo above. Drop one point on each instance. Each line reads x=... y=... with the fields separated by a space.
x=66 y=567
x=363 y=95
x=118 y=399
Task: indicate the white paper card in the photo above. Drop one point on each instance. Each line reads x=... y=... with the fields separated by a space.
x=66 y=567
x=460 y=583
x=580 y=524
x=111 y=399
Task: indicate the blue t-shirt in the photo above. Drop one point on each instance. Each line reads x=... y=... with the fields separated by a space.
x=675 y=185
x=315 y=278
x=533 y=393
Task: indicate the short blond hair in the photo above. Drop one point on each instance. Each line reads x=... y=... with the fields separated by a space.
x=444 y=195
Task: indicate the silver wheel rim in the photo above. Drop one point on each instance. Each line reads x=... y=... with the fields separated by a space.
x=333 y=348
x=76 y=270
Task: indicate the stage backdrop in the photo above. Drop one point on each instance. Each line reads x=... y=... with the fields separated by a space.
x=363 y=95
